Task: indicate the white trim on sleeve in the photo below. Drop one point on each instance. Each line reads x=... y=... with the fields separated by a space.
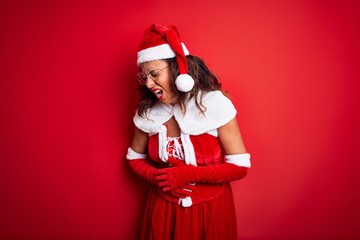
x=132 y=155
x=241 y=160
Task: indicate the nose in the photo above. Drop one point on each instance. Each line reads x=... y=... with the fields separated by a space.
x=149 y=82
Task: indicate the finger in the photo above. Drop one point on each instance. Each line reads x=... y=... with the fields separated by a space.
x=176 y=195
x=162 y=177
x=160 y=172
x=187 y=190
x=168 y=188
x=179 y=193
x=190 y=187
x=164 y=184
x=161 y=182
x=183 y=192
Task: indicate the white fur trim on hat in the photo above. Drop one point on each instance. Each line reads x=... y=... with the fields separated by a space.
x=162 y=51
x=184 y=82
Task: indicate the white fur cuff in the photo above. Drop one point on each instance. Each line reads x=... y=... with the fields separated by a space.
x=131 y=155
x=241 y=160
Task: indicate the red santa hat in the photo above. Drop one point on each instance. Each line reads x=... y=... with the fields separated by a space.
x=161 y=42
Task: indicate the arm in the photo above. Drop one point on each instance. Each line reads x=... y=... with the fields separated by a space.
x=137 y=156
x=140 y=141
x=230 y=138
x=138 y=163
x=235 y=167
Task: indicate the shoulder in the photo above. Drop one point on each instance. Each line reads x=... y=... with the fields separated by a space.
x=218 y=110
x=217 y=103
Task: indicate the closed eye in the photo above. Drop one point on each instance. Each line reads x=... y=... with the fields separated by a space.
x=154 y=73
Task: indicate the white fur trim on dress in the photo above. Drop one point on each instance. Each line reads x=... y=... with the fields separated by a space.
x=163 y=144
x=154 y=119
x=162 y=51
x=189 y=151
x=131 y=155
x=241 y=160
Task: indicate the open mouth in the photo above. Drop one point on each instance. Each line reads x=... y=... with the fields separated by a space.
x=158 y=93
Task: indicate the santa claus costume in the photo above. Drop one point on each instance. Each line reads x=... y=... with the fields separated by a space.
x=207 y=210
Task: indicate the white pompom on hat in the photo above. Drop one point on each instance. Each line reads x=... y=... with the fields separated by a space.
x=162 y=41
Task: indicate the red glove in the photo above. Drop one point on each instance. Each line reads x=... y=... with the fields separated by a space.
x=139 y=164
x=143 y=169
x=171 y=178
x=182 y=192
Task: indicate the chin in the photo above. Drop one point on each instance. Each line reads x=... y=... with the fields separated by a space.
x=165 y=101
x=168 y=100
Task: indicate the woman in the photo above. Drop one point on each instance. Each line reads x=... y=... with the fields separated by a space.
x=187 y=143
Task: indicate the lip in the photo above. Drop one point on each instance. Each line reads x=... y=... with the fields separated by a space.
x=155 y=91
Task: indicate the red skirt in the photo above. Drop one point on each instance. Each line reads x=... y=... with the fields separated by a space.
x=213 y=219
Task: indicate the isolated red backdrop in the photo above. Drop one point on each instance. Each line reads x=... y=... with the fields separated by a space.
x=68 y=83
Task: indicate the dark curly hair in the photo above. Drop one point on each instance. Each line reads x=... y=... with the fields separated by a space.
x=204 y=79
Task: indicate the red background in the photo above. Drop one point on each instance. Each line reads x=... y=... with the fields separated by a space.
x=68 y=83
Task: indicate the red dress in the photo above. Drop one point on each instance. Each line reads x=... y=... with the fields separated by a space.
x=212 y=214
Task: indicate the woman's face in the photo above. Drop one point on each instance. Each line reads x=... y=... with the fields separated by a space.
x=157 y=78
